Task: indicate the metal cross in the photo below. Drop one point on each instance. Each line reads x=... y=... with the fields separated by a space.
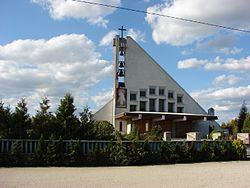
x=122 y=29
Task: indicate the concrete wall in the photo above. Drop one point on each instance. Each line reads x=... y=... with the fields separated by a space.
x=105 y=113
x=142 y=72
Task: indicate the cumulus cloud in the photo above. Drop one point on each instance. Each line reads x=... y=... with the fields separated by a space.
x=108 y=38
x=224 y=79
x=191 y=63
x=61 y=9
x=37 y=68
x=221 y=44
x=177 y=32
x=229 y=64
x=226 y=101
x=102 y=97
x=136 y=34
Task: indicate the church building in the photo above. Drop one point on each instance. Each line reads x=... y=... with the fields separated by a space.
x=146 y=95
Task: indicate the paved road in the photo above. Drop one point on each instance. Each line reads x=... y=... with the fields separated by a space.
x=223 y=174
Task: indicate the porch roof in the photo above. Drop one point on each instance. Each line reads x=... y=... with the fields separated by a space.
x=139 y=115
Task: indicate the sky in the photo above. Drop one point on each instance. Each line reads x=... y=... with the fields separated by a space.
x=52 y=47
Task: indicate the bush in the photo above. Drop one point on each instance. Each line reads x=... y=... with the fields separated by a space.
x=238 y=150
x=15 y=156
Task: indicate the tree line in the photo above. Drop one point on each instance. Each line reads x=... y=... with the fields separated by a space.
x=64 y=123
x=241 y=124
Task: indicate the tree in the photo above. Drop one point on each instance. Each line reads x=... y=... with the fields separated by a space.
x=5 y=120
x=232 y=126
x=21 y=120
x=86 y=129
x=51 y=154
x=40 y=150
x=103 y=130
x=242 y=116
x=246 y=124
x=66 y=118
x=44 y=121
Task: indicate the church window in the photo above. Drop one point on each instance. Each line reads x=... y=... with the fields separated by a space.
x=161 y=91
x=133 y=96
x=151 y=105
x=179 y=99
x=120 y=127
x=170 y=94
x=170 y=107
x=142 y=105
x=142 y=93
x=152 y=91
x=132 y=108
x=180 y=109
x=161 y=105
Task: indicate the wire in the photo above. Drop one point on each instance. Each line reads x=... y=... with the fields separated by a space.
x=163 y=15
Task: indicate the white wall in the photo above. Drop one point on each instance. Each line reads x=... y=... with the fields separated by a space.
x=105 y=113
x=141 y=71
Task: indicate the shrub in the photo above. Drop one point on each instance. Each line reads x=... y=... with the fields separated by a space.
x=15 y=156
x=238 y=150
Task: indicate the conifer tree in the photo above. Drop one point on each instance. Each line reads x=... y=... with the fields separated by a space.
x=21 y=120
x=66 y=117
x=246 y=124
x=242 y=116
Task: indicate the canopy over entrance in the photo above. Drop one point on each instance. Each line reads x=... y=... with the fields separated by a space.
x=160 y=116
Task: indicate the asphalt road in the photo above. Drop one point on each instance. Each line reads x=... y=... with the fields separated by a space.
x=214 y=174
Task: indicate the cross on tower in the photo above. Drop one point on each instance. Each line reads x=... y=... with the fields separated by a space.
x=122 y=29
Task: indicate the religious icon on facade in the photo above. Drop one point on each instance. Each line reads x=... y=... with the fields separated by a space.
x=121 y=98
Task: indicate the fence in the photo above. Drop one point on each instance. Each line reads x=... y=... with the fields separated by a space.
x=28 y=146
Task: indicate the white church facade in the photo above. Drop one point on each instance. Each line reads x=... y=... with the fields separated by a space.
x=146 y=95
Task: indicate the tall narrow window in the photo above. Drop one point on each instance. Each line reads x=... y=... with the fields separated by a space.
x=170 y=107
x=161 y=105
x=151 y=105
x=133 y=96
x=142 y=105
x=170 y=94
x=179 y=99
x=120 y=127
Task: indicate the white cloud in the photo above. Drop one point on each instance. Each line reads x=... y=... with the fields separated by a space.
x=229 y=64
x=61 y=9
x=136 y=34
x=220 y=44
x=224 y=79
x=177 y=32
x=108 y=38
x=103 y=97
x=226 y=101
x=37 y=68
x=191 y=63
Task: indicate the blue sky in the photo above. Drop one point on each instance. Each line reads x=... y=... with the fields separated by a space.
x=50 y=47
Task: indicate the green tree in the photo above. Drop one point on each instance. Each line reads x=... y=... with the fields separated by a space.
x=51 y=154
x=246 y=124
x=103 y=130
x=242 y=116
x=21 y=120
x=155 y=133
x=86 y=128
x=232 y=126
x=5 y=120
x=44 y=121
x=66 y=118
x=40 y=150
